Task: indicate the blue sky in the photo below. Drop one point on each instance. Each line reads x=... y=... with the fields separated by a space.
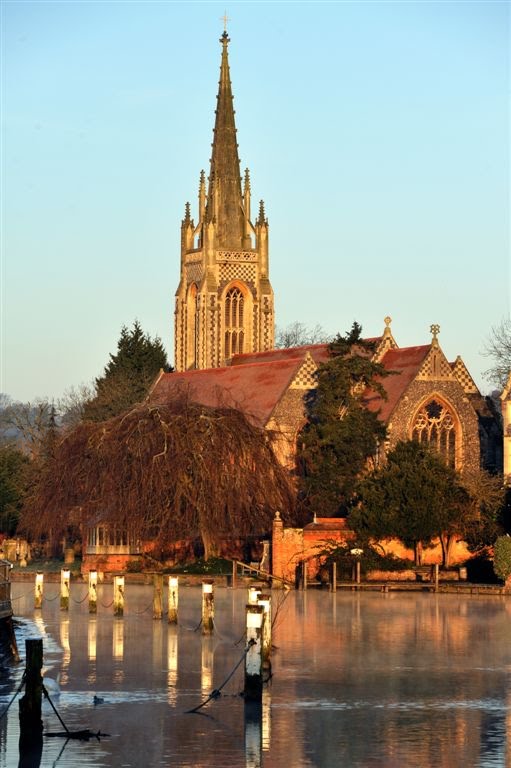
x=377 y=134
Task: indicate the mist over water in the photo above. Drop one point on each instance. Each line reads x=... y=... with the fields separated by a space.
x=367 y=680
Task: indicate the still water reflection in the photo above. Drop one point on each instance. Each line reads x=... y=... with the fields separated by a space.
x=378 y=680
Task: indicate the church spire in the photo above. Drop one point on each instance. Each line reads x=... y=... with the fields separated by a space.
x=225 y=200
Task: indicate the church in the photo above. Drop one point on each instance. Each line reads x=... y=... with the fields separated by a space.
x=224 y=330
x=225 y=352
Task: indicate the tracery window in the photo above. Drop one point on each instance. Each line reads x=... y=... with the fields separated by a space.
x=435 y=425
x=234 y=333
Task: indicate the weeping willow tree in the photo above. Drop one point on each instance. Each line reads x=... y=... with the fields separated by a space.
x=165 y=472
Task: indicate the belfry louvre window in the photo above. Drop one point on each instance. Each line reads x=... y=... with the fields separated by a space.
x=434 y=424
x=234 y=305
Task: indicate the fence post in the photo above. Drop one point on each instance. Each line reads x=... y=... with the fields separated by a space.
x=253 y=659
x=118 y=595
x=93 y=591
x=208 y=608
x=65 y=576
x=173 y=599
x=157 y=595
x=39 y=589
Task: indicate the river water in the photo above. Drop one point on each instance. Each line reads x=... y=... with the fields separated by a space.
x=359 y=679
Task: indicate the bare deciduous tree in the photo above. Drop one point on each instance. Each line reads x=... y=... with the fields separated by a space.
x=297 y=335
x=498 y=348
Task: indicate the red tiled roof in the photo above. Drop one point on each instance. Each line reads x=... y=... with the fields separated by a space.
x=319 y=353
x=254 y=388
x=406 y=362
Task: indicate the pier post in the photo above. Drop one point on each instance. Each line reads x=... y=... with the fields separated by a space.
x=304 y=575
x=173 y=599
x=357 y=571
x=31 y=726
x=157 y=596
x=39 y=589
x=334 y=577
x=208 y=608
x=65 y=576
x=436 y=576
x=234 y=573
x=265 y=602
x=93 y=591
x=118 y=595
x=253 y=660
x=253 y=594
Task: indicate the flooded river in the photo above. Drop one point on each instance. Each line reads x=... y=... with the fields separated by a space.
x=368 y=680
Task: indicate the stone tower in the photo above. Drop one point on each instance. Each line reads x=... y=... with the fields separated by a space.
x=224 y=302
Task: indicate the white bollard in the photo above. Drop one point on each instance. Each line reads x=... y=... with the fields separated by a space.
x=253 y=659
x=208 y=608
x=65 y=577
x=118 y=595
x=93 y=591
x=265 y=602
x=173 y=599
x=39 y=589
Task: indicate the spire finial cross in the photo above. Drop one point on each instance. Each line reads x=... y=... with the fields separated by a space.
x=225 y=19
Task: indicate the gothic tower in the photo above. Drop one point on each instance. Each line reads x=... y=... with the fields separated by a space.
x=224 y=302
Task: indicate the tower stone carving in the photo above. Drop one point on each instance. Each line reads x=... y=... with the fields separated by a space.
x=224 y=301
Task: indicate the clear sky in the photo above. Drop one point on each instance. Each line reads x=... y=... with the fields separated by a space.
x=377 y=134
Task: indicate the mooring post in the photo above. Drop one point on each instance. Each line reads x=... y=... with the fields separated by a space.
x=253 y=594
x=208 y=608
x=173 y=599
x=334 y=576
x=93 y=591
x=265 y=602
x=39 y=589
x=30 y=704
x=357 y=571
x=234 y=573
x=157 y=596
x=436 y=576
x=253 y=660
x=118 y=595
x=304 y=575
x=65 y=576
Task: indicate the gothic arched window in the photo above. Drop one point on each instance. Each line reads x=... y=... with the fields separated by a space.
x=234 y=330
x=435 y=425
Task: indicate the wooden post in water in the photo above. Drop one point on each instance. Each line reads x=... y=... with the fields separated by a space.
x=173 y=599
x=93 y=591
x=208 y=608
x=118 y=595
x=65 y=576
x=31 y=725
x=334 y=576
x=304 y=575
x=157 y=596
x=357 y=570
x=265 y=602
x=39 y=589
x=234 y=573
x=436 y=576
x=253 y=660
x=253 y=594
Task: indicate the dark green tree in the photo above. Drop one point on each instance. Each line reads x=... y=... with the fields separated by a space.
x=14 y=478
x=341 y=433
x=128 y=374
x=414 y=497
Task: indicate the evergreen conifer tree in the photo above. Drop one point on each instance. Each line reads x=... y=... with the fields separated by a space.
x=341 y=434
x=128 y=374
